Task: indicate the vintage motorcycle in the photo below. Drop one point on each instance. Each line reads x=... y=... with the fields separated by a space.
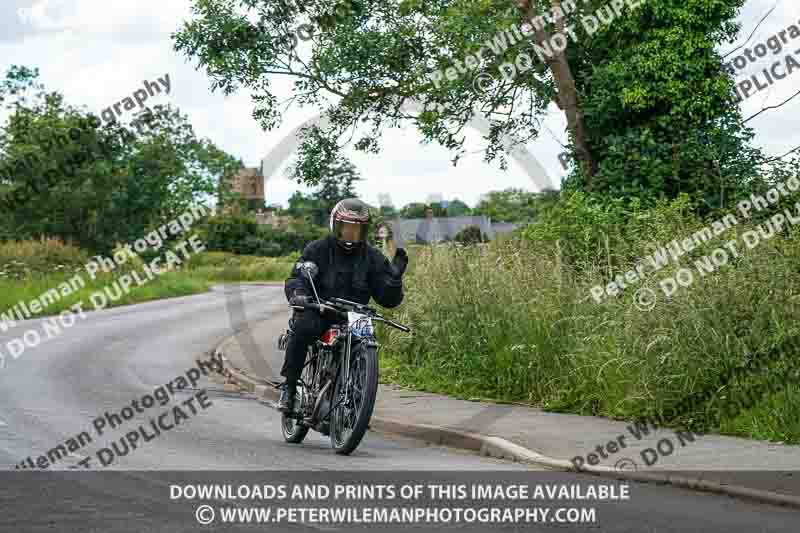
x=337 y=388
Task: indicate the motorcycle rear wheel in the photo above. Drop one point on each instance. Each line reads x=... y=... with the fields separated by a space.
x=350 y=420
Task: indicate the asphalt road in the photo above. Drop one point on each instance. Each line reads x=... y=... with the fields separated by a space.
x=53 y=392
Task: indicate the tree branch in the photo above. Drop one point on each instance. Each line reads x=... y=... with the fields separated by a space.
x=796 y=148
x=753 y=32
x=751 y=117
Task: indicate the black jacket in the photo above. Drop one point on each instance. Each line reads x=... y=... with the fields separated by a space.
x=363 y=274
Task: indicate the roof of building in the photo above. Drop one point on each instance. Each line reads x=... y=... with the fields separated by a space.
x=504 y=227
x=429 y=230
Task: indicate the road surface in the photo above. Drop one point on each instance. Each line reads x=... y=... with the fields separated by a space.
x=54 y=392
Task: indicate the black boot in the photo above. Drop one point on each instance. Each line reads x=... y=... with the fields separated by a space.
x=287 y=399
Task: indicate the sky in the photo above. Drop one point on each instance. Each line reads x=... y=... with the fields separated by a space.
x=98 y=52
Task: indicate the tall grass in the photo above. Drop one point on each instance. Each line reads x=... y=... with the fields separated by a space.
x=221 y=266
x=27 y=259
x=514 y=322
x=29 y=269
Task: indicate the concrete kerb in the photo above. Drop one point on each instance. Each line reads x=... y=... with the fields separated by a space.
x=500 y=448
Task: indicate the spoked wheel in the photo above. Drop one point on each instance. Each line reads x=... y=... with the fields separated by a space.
x=293 y=431
x=354 y=404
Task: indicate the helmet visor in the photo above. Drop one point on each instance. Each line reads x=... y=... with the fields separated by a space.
x=350 y=231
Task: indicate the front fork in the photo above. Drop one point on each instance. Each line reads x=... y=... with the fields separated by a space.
x=370 y=341
x=366 y=341
x=347 y=366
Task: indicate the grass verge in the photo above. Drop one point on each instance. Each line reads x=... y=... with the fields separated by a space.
x=197 y=276
x=513 y=322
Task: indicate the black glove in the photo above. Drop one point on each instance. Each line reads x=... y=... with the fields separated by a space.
x=400 y=262
x=299 y=299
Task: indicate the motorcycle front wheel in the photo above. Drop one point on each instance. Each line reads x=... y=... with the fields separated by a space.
x=354 y=404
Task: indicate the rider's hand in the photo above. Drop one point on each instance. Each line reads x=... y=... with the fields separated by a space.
x=300 y=300
x=400 y=262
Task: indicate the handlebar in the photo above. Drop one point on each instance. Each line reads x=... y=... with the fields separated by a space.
x=340 y=308
x=401 y=327
x=322 y=308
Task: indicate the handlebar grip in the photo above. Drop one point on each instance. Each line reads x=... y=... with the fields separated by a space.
x=310 y=305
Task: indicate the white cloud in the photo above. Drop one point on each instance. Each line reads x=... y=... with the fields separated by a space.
x=98 y=51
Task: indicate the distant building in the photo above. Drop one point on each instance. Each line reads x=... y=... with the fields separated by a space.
x=503 y=227
x=432 y=230
x=249 y=183
x=269 y=218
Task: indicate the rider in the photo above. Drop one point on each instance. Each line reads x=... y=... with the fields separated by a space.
x=349 y=268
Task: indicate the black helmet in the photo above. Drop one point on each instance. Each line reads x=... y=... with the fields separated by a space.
x=350 y=223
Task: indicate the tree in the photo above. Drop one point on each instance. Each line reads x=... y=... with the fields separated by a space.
x=511 y=205
x=457 y=208
x=414 y=210
x=648 y=104
x=300 y=205
x=335 y=182
x=471 y=235
x=239 y=233
x=67 y=176
x=388 y=212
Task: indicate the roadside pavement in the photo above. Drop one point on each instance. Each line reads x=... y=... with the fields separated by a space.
x=747 y=468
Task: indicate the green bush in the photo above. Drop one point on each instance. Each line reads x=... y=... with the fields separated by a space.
x=591 y=230
x=471 y=235
x=241 y=234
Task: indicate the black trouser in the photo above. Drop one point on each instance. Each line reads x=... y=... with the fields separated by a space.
x=308 y=326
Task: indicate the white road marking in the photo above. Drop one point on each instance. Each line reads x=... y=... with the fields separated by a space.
x=2 y=423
